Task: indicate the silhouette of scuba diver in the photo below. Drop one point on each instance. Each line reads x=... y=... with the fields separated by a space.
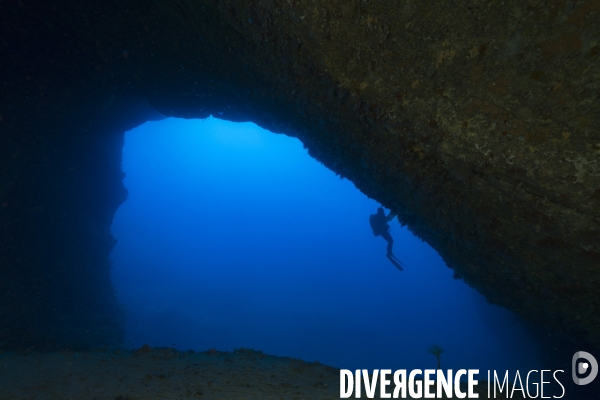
x=379 y=224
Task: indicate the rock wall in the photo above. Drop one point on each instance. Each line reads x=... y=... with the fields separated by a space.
x=475 y=121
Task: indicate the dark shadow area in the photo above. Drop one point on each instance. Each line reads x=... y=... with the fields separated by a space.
x=475 y=122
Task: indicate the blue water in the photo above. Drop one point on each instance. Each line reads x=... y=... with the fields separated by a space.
x=233 y=236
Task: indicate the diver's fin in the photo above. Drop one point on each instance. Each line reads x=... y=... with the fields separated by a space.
x=395 y=258
x=396 y=263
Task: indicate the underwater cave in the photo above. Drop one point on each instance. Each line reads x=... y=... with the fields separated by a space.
x=475 y=122
x=233 y=237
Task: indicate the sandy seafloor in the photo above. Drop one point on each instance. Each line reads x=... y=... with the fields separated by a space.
x=164 y=373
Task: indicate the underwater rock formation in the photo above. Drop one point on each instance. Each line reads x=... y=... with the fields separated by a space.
x=475 y=121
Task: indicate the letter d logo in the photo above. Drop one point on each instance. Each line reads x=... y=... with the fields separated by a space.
x=583 y=367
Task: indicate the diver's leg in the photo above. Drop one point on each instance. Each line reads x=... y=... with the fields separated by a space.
x=388 y=238
x=390 y=255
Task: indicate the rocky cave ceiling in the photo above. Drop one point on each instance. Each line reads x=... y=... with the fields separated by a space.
x=475 y=121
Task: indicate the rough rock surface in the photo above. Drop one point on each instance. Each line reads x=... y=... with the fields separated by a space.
x=160 y=373
x=164 y=373
x=476 y=121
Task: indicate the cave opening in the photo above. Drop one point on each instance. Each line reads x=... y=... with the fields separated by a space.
x=234 y=237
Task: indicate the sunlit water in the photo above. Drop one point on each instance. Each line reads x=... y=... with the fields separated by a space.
x=233 y=236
